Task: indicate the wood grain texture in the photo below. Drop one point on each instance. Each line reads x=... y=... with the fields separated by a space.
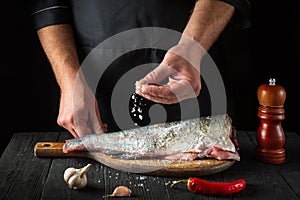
x=19 y=170
x=157 y=167
x=56 y=188
x=24 y=176
x=263 y=179
x=290 y=170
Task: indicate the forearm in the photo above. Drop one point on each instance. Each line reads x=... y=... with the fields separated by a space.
x=207 y=21
x=58 y=44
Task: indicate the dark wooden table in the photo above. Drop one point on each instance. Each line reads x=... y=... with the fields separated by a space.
x=24 y=176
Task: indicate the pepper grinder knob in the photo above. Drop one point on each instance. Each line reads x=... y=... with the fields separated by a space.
x=270 y=135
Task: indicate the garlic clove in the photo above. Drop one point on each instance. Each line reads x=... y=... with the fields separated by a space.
x=120 y=191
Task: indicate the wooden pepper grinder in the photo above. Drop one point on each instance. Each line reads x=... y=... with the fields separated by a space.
x=270 y=135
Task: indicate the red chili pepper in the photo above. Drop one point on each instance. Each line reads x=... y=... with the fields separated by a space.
x=197 y=185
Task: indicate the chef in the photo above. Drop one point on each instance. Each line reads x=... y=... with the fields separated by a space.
x=70 y=30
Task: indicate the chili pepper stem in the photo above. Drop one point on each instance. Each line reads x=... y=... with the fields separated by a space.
x=179 y=181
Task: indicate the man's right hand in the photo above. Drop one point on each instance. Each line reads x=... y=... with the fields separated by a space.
x=78 y=111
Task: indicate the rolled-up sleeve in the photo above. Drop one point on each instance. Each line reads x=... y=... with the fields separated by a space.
x=49 y=12
x=242 y=15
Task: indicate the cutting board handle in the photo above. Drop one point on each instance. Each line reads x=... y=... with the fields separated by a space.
x=49 y=149
x=54 y=149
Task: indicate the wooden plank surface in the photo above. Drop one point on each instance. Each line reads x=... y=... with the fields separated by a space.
x=24 y=176
x=56 y=188
x=290 y=170
x=263 y=179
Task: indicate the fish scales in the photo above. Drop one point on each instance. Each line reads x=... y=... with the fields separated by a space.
x=187 y=139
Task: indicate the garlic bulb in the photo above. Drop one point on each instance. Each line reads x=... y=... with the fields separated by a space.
x=76 y=178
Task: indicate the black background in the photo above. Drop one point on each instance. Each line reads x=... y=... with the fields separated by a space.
x=29 y=93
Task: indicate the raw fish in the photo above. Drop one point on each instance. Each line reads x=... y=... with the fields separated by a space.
x=190 y=139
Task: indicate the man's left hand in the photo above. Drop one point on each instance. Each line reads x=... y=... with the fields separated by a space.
x=183 y=72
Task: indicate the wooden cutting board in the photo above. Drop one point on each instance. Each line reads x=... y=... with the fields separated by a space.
x=157 y=167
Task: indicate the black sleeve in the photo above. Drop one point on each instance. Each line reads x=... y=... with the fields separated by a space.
x=241 y=17
x=49 y=12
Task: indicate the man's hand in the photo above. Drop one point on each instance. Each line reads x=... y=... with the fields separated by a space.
x=182 y=62
x=183 y=73
x=78 y=111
